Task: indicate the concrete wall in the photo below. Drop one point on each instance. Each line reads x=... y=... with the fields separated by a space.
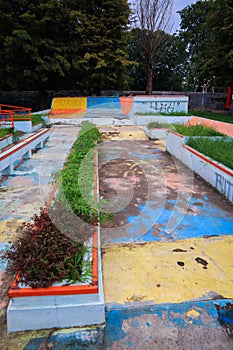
x=31 y=99
x=103 y=102
x=23 y=125
x=216 y=174
x=158 y=104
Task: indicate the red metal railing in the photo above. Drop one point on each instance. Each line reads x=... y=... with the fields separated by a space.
x=10 y=113
x=6 y=117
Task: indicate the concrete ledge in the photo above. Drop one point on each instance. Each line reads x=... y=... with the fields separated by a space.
x=6 y=141
x=23 y=125
x=223 y=127
x=216 y=174
x=36 y=127
x=146 y=119
x=174 y=145
x=156 y=134
x=22 y=149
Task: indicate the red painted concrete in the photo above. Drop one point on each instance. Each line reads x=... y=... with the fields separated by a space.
x=224 y=128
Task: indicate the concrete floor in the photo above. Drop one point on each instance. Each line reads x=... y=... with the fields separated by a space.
x=167 y=253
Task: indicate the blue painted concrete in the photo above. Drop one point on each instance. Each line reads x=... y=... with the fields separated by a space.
x=103 y=102
x=172 y=315
x=175 y=313
x=211 y=221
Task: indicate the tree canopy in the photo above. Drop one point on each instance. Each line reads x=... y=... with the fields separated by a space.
x=33 y=49
x=151 y=17
x=207 y=29
x=53 y=44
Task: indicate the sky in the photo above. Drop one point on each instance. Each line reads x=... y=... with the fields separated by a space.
x=179 y=5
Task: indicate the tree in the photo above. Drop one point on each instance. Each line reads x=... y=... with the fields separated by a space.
x=34 y=50
x=103 y=25
x=220 y=57
x=169 y=62
x=207 y=30
x=195 y=33
x=52 y=44
x=137 y=72
x=151 y=16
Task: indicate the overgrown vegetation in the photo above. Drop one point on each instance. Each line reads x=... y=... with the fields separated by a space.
x=186 y=130
x=220 y=150
x=10 y=131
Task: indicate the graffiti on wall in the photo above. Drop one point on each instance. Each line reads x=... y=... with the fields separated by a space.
x=224 y=186
x=158 y=106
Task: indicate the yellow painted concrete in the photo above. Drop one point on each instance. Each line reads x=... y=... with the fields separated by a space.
x=69 y=103
x=150 y=272
x=123 y=133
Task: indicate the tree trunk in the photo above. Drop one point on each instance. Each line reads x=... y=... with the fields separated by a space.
x=149 y=87
x=44 y=103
